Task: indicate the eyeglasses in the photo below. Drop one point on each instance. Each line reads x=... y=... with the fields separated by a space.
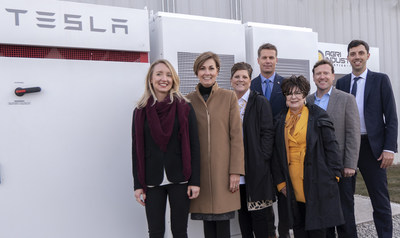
x=296 y=94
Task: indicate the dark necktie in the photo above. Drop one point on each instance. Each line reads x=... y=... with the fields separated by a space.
x=267 y=92
x=354 y=89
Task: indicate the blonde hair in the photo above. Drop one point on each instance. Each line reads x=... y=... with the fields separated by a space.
x=149 y=90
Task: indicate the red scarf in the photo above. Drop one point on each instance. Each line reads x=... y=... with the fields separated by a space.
x=161 y=119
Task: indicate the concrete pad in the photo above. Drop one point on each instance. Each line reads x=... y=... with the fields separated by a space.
x=363 y=209
x=363 y=214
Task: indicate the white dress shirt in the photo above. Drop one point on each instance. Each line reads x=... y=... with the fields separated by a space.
x=360 y=98
x=242 y=106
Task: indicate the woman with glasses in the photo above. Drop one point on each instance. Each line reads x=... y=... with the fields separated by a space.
x=306 y=163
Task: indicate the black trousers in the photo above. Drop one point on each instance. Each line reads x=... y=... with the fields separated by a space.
x=217 y=229
x=156 y=201
x=347 y=188
x=283 y=224
x=299 y=224
x=376 y=181
x=252 y=223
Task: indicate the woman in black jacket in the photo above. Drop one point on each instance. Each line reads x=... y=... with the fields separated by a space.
x=165 y=151
x=306 y=163
x=256 y=188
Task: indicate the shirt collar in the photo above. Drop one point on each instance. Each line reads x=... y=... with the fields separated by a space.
x=245 y=96
x=328 y=93
x=363 y=75
x=264 y=79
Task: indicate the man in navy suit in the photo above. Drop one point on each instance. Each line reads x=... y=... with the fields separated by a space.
x=378 y=126
x=268 y=83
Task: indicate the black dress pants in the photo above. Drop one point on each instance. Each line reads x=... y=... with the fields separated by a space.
x=283 y=224
x=217 y=229
x=299 y=224
x=156 y=201
x=252 y=223
x=347 y=188
x=375 y=180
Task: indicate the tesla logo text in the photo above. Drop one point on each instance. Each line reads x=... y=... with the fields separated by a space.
x=71 y=21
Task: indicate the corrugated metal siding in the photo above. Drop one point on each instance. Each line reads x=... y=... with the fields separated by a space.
x=289 y=67
x=189 y=80
x=336 y=21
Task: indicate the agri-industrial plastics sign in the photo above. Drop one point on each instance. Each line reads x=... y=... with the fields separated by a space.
x=337 y=54
x=67 y=24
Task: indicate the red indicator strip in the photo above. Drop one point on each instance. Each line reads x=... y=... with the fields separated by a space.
x=40 y=52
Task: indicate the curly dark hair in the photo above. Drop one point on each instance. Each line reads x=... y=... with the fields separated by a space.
x=293 y=81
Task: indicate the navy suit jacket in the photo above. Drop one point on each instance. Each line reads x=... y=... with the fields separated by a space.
x=379 y=111
x=277 y=100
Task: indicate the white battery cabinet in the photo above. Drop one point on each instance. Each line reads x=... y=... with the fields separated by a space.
x=65 y=157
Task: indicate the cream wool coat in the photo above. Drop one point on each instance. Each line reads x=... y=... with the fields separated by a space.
x=221 y=150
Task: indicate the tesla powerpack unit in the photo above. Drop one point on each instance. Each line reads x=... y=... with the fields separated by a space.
x=70 y=77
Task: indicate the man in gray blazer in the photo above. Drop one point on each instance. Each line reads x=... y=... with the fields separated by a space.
x=342 y=109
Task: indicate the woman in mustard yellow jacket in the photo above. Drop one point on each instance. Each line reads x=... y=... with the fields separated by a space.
x=221 y=149
x=306 y=163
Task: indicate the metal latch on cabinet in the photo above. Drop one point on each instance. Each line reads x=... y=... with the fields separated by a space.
x=21 y=91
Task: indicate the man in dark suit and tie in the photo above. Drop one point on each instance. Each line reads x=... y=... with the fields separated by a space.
x=379 y=128
x=342 y=109
x=268 y=83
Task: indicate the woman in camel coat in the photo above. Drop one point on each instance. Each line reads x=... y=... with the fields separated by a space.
x=221 y=149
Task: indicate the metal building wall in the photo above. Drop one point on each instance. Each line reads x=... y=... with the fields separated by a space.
x=335 y=21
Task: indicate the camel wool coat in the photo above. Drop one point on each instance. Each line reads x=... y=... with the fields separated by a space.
x=221 y=150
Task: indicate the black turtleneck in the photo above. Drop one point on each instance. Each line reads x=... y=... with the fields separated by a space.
x=205 y=92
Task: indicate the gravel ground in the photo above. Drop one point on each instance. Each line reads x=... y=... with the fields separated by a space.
x=367 y=229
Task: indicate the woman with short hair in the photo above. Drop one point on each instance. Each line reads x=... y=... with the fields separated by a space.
x=306 y=162
x=221 y=149
x=257 y=192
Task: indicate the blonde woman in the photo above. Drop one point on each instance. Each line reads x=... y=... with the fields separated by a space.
x=165 y=151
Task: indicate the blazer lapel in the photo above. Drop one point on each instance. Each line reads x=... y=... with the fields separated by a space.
x=368 y=85
x=333 y=100
x=311 y=139
x=258 y=87
x=311 y=98
x=276 y=89
x=249 y=104
x=300 y=124
x=281 y=138
x=347 y=83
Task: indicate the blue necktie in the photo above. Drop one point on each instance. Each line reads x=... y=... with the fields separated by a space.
x=354 y=88
x=267 y=92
